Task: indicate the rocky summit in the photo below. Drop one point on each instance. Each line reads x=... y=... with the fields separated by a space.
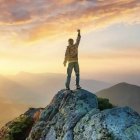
x=74 y=115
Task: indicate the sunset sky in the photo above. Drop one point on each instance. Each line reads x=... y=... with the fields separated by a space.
x=34 y=34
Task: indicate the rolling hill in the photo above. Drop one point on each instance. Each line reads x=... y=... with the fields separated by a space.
x=123 y=94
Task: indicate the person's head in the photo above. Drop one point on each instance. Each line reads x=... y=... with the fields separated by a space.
x=70 y=41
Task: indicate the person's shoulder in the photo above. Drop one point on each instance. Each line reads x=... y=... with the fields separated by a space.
x=68 y=46
x=75 y=45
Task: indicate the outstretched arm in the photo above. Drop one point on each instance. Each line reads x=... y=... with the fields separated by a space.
x=78 y=38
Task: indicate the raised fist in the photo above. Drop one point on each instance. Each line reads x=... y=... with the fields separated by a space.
x=78 y=30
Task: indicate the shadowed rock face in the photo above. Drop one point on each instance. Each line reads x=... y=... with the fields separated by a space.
x=60 y=117
x=74 y=115
x=20 y=127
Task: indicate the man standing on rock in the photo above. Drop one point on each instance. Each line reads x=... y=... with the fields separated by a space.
x=71 y=56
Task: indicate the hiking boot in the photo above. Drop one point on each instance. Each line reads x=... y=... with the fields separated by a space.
x=67 y=88
x=78 y=87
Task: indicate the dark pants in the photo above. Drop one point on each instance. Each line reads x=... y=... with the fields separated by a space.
x=71 y=66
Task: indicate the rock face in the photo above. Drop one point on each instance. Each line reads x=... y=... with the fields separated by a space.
x=117 y=123
x=20 y=127
x=58 y=120
x=75 y=115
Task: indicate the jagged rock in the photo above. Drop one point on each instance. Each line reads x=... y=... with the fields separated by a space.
x=119 y=123
x=20 y=126
x=76 y=115
x=51 y=134
x=34 y=113
x=61 y=116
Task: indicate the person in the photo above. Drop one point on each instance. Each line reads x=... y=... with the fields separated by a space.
x=71 y=56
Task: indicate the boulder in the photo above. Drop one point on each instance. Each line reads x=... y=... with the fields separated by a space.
x=62 y=114
x=120 y=123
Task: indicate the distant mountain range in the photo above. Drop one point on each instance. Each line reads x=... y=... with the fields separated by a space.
x=38 y=89
x=24 y=90
x=123 y=94
x=32 y=90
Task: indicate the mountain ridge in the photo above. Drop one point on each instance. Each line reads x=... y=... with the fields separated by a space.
x=123 y=94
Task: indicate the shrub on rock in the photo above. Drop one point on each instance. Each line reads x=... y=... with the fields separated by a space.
x=104 y=103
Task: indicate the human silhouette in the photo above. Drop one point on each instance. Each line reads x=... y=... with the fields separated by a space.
x=71 y=56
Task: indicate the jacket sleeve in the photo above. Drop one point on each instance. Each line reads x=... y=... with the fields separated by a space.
x=66 y=55
x=78 y=40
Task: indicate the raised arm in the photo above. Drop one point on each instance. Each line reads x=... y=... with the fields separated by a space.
x=78 y=38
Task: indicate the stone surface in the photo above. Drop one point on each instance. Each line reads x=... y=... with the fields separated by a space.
x=117 y=123
x=74 y=115
x=20 y=125
x=61 y=116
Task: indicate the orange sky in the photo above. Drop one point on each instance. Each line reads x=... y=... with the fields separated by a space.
x=34 y=34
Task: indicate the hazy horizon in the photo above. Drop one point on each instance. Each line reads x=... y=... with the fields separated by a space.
x=34 y=36
x=113 y=78
x=24 y=90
